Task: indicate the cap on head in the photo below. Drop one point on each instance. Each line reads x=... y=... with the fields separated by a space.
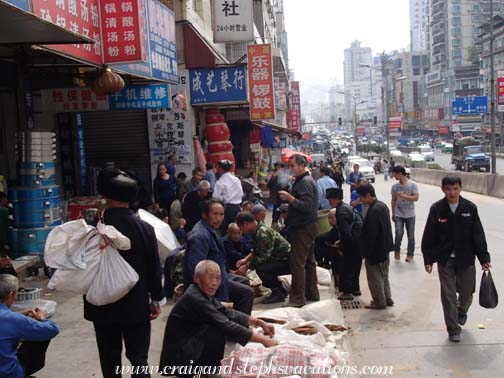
x=117 y=185
x=257 y=209
x=334 y=193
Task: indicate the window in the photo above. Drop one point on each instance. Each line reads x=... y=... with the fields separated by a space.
x=456 y=42
x=474 y=83
x=456 y=21
x=457 y=52
x=456 y=9
x=457 y=63
x=476 y=30
x=416 y=71
x=456 y=32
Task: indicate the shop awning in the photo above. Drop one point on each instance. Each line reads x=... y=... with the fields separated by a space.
x=199 y=53
x=274 y=126
x=20 y=27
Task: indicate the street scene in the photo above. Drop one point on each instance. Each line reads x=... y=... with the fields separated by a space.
x=251 y=189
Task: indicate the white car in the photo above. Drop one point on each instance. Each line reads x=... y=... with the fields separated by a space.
x=365 y=167
x=395 y=153
x=427 y=152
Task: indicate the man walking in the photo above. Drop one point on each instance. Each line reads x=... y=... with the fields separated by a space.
x=354 y=177
x=377 y=242
x=453 y=237
x=404 y=195
x=325 y=182
x=303 y=228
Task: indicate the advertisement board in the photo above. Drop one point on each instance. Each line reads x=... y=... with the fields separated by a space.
x=149 y=96
x=500 y=91
x=295 y=111
x=261 y=89
x=395 y=126
x=233 y=21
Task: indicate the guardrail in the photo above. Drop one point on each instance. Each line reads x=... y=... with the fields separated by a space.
x=482 y=183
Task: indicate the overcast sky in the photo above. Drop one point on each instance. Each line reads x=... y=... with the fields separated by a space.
x=320 y=30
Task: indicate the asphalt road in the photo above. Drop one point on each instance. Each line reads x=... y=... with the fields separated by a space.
x=444 y=160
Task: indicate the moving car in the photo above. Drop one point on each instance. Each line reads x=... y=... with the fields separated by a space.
x=427 y=152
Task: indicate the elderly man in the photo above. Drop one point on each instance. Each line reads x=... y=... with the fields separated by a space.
x=228 y=189
x=325 y=251
x=303 y=228
x=237 y=246
x=270 y=256
x=205 y=243
x=259 y=213
x=29 y=326
x=323 y=183
x=191 y=208
x=199 y=325
x=197 y=176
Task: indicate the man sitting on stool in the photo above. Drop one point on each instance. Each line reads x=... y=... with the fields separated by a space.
x=270 y=256
x=29 y=326
x=199 y=325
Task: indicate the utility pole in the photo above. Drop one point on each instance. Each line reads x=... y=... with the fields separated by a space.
x=492 y=91
x=386 y=104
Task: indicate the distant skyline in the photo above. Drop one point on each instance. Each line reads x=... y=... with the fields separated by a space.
x=320 y=30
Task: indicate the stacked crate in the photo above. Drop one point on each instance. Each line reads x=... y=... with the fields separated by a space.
x=35 y=203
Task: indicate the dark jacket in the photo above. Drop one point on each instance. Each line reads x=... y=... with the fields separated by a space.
x=350 y=228
x=144 y=258
x=235 y=251
x=191 y=316
x=303 y=210
x=191 y=208
x=461 y=232
x=205 y=243
x=377 y=240
x=164 y=191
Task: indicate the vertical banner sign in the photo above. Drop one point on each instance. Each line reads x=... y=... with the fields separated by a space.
x=79 y=16
x=500 y=91
x=233 y=21
x=261 y=91
x=122 y=24
x=295 y=117
x=395 y=125
x=282 y=95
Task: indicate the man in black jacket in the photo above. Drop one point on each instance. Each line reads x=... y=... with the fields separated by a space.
x=453 y=237
x=303 y=228
x=377 y=242
x=349 y=224
x=129 y=318
x=199 y=325
x=191 y=207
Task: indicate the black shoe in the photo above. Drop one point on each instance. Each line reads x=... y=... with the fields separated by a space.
x=462 y=318
x=390 y=302
x=345 y=297
x=276 y=296
x=357 y=293
x=454 y=338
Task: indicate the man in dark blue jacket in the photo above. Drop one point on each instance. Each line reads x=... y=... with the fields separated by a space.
x=453 y=237
x=205 y=243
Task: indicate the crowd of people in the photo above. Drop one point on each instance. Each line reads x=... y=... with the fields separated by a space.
x=224 y=236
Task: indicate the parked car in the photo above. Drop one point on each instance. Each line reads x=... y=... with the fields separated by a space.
x=447 y=149
x=427 y=152
x=395 y=153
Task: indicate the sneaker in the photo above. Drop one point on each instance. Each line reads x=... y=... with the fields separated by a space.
x=409 y=258
x=397 y=255
x=454 y=338
x=462 y=318
x=357 y=293
x=276 y=296
x=345 y=297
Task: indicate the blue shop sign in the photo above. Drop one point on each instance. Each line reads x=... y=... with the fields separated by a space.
x=21 y=4
x=470 y=105
x=150 y=96
x=218 y=85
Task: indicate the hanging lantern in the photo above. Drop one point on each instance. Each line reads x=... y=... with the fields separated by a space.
x=107 y=83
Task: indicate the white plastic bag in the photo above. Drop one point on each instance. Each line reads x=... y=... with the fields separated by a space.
x=48 y=306
x=167 y=242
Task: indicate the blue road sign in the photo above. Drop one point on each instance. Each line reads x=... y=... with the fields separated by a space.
x=470 y=105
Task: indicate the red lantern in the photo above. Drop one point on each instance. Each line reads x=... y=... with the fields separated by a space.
x=107 y=83
x=217 y=132
x=215 y=118
x=218 y=147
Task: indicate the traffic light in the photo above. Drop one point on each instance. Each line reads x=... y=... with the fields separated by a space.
x=375 y=120
x=340 y=122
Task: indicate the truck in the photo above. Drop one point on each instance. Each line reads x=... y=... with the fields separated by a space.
x=469 y=155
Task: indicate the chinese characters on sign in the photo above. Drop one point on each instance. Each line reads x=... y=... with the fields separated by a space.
x=261 y=90
x=233 y=21
x=295 y=111
x=122 y=24
x=218 y=85
x=395 y=126
x=500 y=91
x=78 y=16
x=151 y=96
x=72 y=100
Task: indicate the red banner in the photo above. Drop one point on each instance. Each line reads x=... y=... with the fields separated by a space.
x=123 y=31
x=444 y=130
x=261 y=90
x=361 y=131
x=395 y=126
x=296 y=106
x=79 y=16
x=500 y=91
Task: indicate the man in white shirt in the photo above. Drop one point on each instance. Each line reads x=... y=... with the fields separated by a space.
x=228 y=189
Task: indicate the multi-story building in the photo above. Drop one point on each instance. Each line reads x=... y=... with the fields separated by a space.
x=336 y=103
x=419 y=25
x=358 y=80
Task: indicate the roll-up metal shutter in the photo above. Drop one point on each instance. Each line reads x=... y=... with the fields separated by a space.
x=117 y=136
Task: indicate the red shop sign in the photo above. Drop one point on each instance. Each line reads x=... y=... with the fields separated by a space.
x=79 y=16
x=296 y=107
x=123 y=31
x=261 y=90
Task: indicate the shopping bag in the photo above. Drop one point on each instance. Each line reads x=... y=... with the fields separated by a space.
x=488 y=297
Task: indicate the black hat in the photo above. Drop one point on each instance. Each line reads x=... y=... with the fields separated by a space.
x=117 y=185
x=334 y=193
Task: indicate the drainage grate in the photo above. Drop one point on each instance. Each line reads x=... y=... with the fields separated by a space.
x=351 y=305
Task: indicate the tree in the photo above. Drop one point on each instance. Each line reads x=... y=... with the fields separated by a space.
x=474 y=54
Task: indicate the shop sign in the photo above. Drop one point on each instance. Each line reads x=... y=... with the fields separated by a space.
x=233 y=21
x=361 y=131
x=150 y=96
x=395 y=126
x=261 y=90
x=282 y=95
x=63 y=100
x=21 y=4
x=218 y=85
x=500 y=91
x=122 y=23
x=444 y=130
x=79 y=16
x=295 y=111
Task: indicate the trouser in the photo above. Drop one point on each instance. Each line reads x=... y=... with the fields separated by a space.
x=349 y=273
x=325 y=254
x=453 y=281
x=240 y=293
x=275 y=216
x=302 y=264
x=109 y=338
x=230 y=213
x=378 y=281
x=169 y=285
x=400 y=223
x=31 y=356
x=269 y=272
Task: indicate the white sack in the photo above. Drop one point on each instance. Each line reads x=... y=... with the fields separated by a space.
x=167 y=242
